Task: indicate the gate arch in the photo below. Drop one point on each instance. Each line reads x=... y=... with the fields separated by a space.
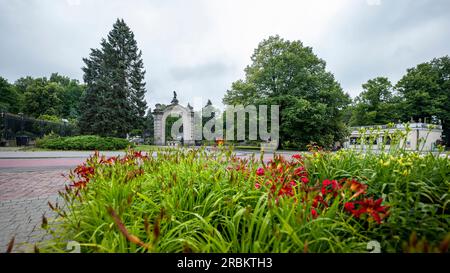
x=162 y=112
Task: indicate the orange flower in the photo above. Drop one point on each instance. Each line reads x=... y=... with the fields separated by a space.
x=357 y=187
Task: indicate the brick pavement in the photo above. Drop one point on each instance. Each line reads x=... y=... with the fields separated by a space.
x=23 y=200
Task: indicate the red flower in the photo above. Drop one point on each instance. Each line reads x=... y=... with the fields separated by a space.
x=279 y=179
x=300 y=171
x=79 y=184
x=260 y=171
x=330 y=186
x=84 y=172
x=314 y=213
x=297 y=156
x=305 y=180
x=319 y=199
x=257 y=186
x=109 y=160
x=286 y=190
x=280 y=168
x=349 y=206
x=372 y=208
x=273 y=188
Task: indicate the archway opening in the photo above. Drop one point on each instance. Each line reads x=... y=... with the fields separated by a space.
x=174 y=128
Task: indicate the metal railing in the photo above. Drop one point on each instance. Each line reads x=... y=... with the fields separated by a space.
x=20 y=128
x=415 y=125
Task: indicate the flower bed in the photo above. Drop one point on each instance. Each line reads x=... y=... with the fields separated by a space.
x=195 y=201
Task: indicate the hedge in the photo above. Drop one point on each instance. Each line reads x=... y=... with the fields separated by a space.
x=84 y=143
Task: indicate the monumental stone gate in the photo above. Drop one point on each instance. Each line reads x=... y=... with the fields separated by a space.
x=162 y=112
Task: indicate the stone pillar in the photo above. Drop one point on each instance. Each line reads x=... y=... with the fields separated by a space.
x=189 y=140
x=157 y=125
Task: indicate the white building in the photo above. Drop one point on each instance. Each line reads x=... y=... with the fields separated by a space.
x=421 y=137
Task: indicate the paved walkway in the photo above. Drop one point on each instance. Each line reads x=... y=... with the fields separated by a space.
x=28 y=181
x=53 y=154
x=23 y=202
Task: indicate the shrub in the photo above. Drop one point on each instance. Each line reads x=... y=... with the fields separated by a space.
x=197 y=201
x=83 y=143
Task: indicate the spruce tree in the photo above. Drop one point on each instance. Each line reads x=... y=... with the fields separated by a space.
x=114 y=102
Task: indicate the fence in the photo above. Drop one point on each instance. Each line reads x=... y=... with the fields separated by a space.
x=21 y=130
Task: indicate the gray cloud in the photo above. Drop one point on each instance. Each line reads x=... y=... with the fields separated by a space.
x=199 y=72
x=199 y=47
x=387 y=39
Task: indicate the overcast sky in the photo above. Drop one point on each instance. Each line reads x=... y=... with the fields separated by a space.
x=198 y=48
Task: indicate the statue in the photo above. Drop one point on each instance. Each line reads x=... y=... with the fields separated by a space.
x=174 y=100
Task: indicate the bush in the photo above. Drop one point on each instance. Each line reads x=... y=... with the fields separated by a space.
x=83 y=143
x=192 y=201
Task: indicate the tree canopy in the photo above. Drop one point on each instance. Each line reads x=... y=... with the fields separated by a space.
x=57 y=96
x=426 y=93
x=289 y=74
x=376 y=104
x=10 y=99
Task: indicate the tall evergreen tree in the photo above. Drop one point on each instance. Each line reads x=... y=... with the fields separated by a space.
x=114 y=102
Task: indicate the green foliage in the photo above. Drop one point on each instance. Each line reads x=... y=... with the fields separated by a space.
x=426 y=94
x=422 y=94
x=46 y=138
x=83 y=143
x=415 y=187
x=289 y=74
x=58 y=96
x=170 y=120
x=70 y=96
x=135 y=132
x=41 y=98
x=50 y=118
x=197 y=201
x=377 y=104
x=114 y=102
x=10 y=99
